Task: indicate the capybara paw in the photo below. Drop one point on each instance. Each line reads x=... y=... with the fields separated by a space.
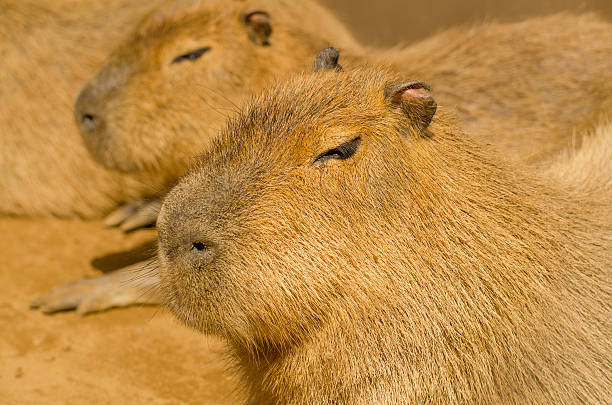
x=134 y=215
x=65 y=297
x=86 y=296
x=136 y=284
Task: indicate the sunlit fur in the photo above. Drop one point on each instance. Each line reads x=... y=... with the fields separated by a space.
x=49 y=49
x=423 y=269
x=537 y=81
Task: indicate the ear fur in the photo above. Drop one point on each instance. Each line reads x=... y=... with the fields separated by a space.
x=327 y=59
x=258 y=25
x=415 y=101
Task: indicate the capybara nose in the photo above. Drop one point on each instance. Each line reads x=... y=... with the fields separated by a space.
x=202 y=252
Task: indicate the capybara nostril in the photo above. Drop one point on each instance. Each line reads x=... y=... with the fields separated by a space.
x=198 y=246
x=89 y=122
x=86 y=112
x=202 y=253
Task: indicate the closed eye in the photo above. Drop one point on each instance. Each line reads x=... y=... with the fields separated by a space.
x=191 y=56
x=342 y=152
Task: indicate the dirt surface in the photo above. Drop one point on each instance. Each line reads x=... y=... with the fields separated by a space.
x=142 y=355
x=127 y=356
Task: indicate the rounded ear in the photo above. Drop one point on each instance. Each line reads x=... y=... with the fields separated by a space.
x=327 y=59
x=414 y=100
x=258 y=26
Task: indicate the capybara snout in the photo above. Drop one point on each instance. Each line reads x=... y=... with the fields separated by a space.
x=91 y=115
x=89 y=106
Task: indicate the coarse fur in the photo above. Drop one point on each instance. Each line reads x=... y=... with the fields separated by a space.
x=541 y=83
x=421 y=269
x=528 y=81
x=48 y=52
x=537 y=81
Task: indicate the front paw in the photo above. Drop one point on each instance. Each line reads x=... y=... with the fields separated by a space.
x=136 y=214
x=134 y=285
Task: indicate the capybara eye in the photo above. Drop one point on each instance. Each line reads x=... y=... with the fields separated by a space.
x=191 y=56
x=344 y=151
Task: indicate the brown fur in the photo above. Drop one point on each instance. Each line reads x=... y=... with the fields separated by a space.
x=531 y=80
x=527 y=80
x=48 y=51
x=422 y=269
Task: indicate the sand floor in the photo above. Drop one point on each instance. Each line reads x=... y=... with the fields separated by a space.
x=125 y=356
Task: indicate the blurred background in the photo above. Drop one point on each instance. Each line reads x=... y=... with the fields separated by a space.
x=389 y=22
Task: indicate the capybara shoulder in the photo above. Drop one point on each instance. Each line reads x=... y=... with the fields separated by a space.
x=353 y=245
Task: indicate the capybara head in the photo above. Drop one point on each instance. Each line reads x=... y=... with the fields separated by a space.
x=326 y=152
x=168 y=88
x=353 y=246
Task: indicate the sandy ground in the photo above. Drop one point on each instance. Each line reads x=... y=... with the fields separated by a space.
x=127 y=356
x=142 y=355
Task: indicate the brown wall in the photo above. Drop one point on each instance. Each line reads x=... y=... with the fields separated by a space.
x=388 y=22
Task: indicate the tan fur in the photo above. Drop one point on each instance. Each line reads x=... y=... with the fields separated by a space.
x=586 y=168
x=530 y=81
x=423 y=269
x=48 y=51
x=536 y=81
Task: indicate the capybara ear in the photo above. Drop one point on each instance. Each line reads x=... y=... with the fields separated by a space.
x=258 y=25
x=414 y=100
x=327 y=59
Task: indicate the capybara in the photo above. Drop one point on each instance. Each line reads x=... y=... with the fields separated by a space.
x=353 y=246
x=48 y=51
x=527 y=80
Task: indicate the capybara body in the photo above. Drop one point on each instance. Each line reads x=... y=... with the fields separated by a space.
x=167 y=90
x=48 y=52
x=353 y=250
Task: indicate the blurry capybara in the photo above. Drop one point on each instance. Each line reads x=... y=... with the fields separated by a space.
x=354 y=248
x=48 y=51
x=164 y=93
